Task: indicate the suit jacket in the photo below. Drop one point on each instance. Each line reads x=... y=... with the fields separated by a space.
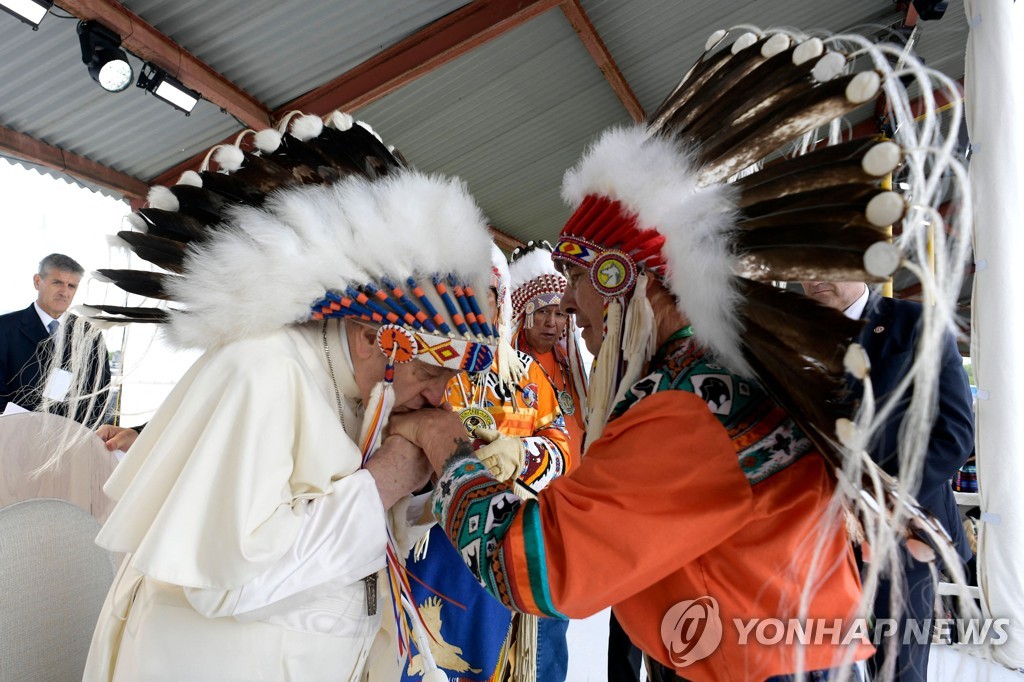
x=889 y=338
x=24 y=343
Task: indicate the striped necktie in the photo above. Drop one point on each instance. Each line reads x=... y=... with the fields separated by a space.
x=53 y=326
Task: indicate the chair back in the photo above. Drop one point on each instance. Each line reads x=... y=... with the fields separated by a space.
x=26 y=442
x=53 y=580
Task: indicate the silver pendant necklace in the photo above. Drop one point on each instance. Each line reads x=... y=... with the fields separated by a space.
x=334 y=380
x=566 y=403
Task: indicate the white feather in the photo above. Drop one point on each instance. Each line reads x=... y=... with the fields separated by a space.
x=829 y=66
x=864 y=86
x=649 y=175
x=136 y=222
x=882 y=158
x=714 y=39
x=229 y=157
x=366 y=126
x=116 y=242
x=700 y=265
x=339 y=120
x=885 y=209
x=267 y=140
x=808 y=50
x=162 y=198
x=190 y=178
x=779 y=42
x=743 y=42
x=307 y=127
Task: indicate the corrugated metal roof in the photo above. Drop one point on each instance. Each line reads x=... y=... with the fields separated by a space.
x=58 y=175
x=276 y=50
x=654 y=42
x=509 y=117
x=46 y=93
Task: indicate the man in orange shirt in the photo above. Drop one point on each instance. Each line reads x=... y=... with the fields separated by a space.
x=705 y=509
x=542 y=330
x=664 y=509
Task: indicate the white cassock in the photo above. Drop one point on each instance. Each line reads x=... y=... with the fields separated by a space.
x=249 y=526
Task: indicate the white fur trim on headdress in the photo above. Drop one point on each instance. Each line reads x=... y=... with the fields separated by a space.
x=270 y=264
x=533 y=277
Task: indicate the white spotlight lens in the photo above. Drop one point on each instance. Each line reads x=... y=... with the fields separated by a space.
x=115 y=75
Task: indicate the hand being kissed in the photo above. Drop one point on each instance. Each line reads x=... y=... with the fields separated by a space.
x=436 y=431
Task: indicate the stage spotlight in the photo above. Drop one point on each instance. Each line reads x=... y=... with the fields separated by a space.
x=102 y=53
x=29 y=11
x=169 y=89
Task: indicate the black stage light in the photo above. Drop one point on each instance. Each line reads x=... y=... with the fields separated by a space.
x=102 y=53
x=169 y=89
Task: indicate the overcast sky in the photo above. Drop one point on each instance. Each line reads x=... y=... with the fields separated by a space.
x=42 y=215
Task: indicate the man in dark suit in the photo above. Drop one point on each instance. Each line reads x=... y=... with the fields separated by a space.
x=889 y=337
x=28 y=338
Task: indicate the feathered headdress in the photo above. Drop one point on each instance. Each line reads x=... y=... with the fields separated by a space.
x=319 y=220
x=657 y=201
x=536 y=284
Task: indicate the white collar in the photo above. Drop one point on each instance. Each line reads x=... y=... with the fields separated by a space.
x=45 y=317
x=856 y=309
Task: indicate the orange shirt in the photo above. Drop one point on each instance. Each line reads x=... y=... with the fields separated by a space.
x=646 y=526
x=660 y=512
x=560 y=377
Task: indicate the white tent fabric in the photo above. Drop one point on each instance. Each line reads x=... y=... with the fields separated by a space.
x=994 y=91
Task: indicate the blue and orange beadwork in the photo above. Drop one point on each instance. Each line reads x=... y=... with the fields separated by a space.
x=412 y=327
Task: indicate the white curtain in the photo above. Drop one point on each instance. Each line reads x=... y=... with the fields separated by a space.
x=994 y=90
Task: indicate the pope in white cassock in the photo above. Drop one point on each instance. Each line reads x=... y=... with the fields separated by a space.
x=257 y=508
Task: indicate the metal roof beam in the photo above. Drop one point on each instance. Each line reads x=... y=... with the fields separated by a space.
x=36 y=151
x=141 y=39
x=504 y=240
x=591 y=39
x=432 y=47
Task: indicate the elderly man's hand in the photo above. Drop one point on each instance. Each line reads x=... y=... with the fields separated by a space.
x=117 y=437
x=437 y=431
x=398 y=468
